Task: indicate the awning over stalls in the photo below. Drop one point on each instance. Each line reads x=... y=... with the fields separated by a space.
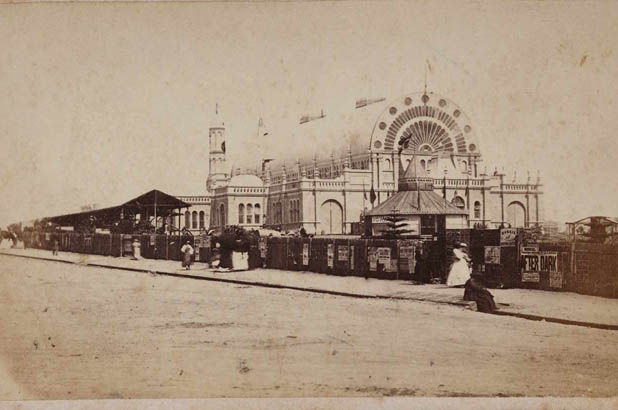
x=151 y=203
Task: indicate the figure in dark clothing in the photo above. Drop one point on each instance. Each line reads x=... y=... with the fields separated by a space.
x=475 y=291
x=421 y=271
x=56 y=247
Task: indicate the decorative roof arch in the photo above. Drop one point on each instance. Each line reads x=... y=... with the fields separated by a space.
x=434 y=124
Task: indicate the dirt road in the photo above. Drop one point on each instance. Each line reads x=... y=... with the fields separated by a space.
x=69 y=332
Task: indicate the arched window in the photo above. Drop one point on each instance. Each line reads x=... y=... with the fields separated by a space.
x=423 y=164
x=202 y=219
x=291 y=211
x=477 y=209
x=194 y=220
x=249 y=213
x=388 y=164
x=464 y=166
x=222 y=215
x=257 y=210
x=459 y=202
x=241 y=214
x=188 y=220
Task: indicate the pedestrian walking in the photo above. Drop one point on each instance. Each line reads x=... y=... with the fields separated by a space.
x=187 y=252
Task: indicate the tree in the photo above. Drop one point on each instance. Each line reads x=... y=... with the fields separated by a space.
x=396 y=225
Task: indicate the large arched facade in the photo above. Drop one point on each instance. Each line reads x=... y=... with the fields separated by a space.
x=330 y=217
x=330 y=193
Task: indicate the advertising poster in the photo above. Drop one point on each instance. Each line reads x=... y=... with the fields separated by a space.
x=384 y=256
x=305 y=254
x=343 y=253
x=263 y=247
x=531 y=236
x=508 y=236
x=530 y=271
x=406 y=256
x=536 y=262
x=555 y=280
x=492 y=255
x=373 y=259
x=331 y=255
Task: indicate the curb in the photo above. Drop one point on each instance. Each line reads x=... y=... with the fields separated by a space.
x=327 y=292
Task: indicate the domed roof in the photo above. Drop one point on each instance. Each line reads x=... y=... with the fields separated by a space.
x=246 y=180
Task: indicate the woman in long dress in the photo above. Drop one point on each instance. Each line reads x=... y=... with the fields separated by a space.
x=187 y=251
x=460 y=269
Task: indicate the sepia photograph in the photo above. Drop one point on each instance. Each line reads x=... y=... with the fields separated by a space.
x=309 y=204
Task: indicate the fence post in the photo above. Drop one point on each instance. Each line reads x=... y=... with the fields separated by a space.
x=287 y=249
x=398 y=261
x=349 y=256
x=573 y=278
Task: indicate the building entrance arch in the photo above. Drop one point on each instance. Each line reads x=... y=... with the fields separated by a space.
x=516 y=215
x=330 y=218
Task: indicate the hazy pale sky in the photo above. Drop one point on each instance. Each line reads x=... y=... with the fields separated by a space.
x=102 y=102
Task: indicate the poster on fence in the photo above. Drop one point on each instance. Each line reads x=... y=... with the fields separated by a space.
x=153 y=239
x=492 y=255
x=531 y=236
x=343 y=253
x=555 y=280
x=351 y=257
x=372 y=255
x=508 y=236
x=406 y=256
x=263 y=247
x=533 y=263
x=330 y=255
x=305 y=254
x=391 y=266
x=384 y=256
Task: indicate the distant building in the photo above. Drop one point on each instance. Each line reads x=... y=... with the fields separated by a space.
x=594 y=229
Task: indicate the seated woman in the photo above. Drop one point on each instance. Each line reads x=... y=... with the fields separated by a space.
x=475 y=291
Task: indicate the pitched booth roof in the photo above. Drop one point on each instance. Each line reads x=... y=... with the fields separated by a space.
x=164 y=204
x=416 y=203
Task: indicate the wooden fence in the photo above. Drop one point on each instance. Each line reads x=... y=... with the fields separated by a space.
x=584 y=268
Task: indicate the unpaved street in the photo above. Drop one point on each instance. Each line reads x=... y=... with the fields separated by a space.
x=69 y=332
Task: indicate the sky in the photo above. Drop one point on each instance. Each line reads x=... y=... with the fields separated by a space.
x=100 y=102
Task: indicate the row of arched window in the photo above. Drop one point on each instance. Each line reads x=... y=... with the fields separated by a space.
x=191 y=220
x=295 y=210
x=459 y=203
x=277 y=213
x=249 y=214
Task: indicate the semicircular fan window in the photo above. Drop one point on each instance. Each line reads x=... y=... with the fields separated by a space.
x=424 y=134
